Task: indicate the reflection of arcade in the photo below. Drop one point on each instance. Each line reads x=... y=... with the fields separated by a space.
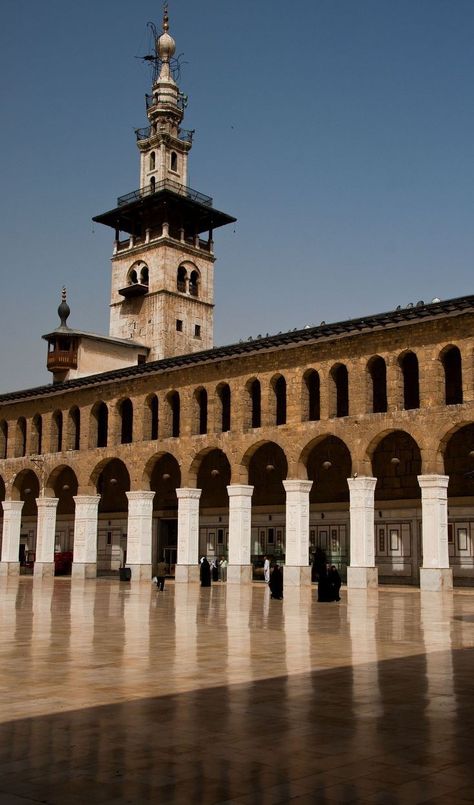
x=268 y=468
x=165 y=478
x=113 y=483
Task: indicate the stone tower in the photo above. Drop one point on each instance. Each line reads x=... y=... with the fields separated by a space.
x=162 y=291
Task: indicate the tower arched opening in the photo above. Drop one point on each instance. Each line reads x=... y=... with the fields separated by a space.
x=452 y=366
x=339 y=391
x=377 y=372
x=408 y=363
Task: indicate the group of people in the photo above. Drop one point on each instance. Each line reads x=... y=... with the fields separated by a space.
x=215 y=571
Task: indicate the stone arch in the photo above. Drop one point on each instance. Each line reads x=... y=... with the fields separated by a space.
x=26 y=487
x=328 y=464
x=278 y=385
x=267 y=467
x=451 y=361
x=457 y=448
x=162 y=475
x=408 y=363
x=62 y=483
x=111 y=479
x=311 y=396
x=211 y=472
x=377 y=385
x=396 y=463
x=338 y=391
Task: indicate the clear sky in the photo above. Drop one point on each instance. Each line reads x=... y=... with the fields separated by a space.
x=340 y=133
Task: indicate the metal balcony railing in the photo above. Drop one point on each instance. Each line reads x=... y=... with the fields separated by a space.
x=185 y=135
x=166 y=184
x=154 y=100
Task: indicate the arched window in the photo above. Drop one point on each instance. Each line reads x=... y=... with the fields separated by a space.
x=174 y=161
x=311 y=396
x=57 y=432
x=200 y=395
x=152 y=161
x=340 y=381
x=132 y=278
x=411 y=381
x=151 y=418
x=126 y=416
x=181 y=279
x=378 y=385
x=223 y=393
x=279 y=390
x=3 y=439
x=74 y=435
x=20 y=441
x=194 y=283
x=152 y=184
x=175 y=412
x=37 y=434
x=452 y=365
x=255 y=394
x=144 y=277
x=99 y=425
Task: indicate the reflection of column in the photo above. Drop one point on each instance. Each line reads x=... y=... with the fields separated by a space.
x=45 y=536
x=85 y=536
x=435 y=573
x=362 y=571
x=139 y=534
x=297 y=570
x=362 y=616
x=10 y=564
x=187 y=567
x=238 y=604
x=436 y=621
x=240 y=518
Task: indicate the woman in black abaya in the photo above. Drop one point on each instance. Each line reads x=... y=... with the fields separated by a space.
x=205 y=573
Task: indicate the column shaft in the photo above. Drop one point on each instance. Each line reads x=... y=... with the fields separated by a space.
x=435 y=574
x=297 y=570
x=10 y=564
x=139 y=534
x=187 y=567
x=45 y=536
x=85 y=536
x=240 y=521
x=362 y=571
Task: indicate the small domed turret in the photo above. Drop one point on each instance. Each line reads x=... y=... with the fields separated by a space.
x=166 y=46
x=64 y=310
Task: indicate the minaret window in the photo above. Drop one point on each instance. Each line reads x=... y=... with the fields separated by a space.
x=144 y=275
x=194 y=283
x=181 y=279
x=152 y=184
x=152 y=161
x=174 y=162
x=132 y=277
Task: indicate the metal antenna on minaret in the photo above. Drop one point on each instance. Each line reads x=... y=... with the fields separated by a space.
x=166 y=22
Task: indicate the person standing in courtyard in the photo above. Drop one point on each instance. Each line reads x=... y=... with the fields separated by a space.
x=334 y=583
x=205 y=573
x=215 y=569
x=276 y=583
x=161 y=575
x=266 y=569
x=223 y=568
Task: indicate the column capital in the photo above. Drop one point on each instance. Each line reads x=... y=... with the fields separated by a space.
x=433 y=481
x=241 y=490
x=47 y=503
x=362 y=482
x=140 y=496
x=298 y=486
x=86 y=500
x=188 y=493
x=12 y=505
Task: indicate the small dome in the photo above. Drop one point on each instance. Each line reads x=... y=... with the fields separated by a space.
x=63 y=309
x=166 y=47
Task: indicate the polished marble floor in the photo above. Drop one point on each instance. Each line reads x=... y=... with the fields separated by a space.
x=114 y=694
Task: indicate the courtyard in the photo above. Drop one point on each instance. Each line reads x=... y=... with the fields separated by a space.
x=117 y=693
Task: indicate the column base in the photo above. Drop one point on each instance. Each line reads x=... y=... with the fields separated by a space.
x=140 y=572
x=436 y=578
x=187 y=574
x=84 y=570
x=361 y=578
x=43 y=569
x=296 y=576
x=239 y=574
x=9 y=568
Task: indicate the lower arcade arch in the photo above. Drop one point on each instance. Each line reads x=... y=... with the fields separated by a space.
x=164 y=478
x=267 y=469
x=2 y=498
x=213 y=478
x=458 y=455
x=396 y=464
x=112 y=483
x=26 y=487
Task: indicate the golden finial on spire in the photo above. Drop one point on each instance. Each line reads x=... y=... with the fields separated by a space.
x=166 y=22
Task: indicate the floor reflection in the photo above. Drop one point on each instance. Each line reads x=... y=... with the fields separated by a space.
x=121 y=694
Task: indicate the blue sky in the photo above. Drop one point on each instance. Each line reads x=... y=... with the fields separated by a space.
x=340 y=133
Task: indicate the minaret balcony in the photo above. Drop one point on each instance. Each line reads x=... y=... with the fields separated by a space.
x=61 y=359
x=185 y=135
x=155 y=100
x=165 y=184
x=134 y=289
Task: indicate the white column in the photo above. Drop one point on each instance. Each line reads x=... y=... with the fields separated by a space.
x=10 y=564
x=84 y=564
x=187 y=567
x=435 y=574
x=297 y=570
x=45 y=536
x=239 y=570
x=362 y=571
x=139 y=534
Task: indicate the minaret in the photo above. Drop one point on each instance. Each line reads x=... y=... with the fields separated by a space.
x=163 y=272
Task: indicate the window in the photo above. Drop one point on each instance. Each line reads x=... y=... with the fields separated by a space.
x=256 y=404
x=452 y=365
x=174 y=161
x=181 y=279
x=126 y=415
x=411 y=381
x=311 y=411
x=197 y=331
x=152 y=161
x=152 y=184
x=193 y=283
x=179 y=325
x=378 y=382
x=279 y=389
x=340 y=389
